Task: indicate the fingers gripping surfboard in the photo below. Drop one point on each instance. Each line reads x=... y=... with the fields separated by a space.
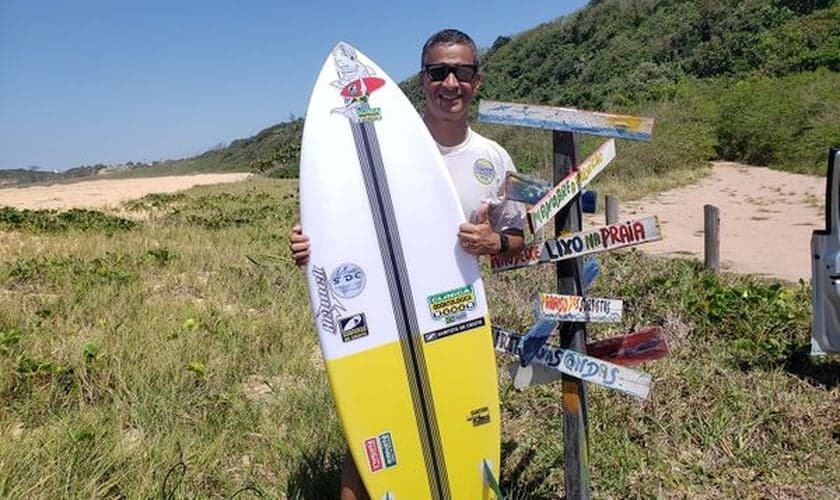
x=400 y=309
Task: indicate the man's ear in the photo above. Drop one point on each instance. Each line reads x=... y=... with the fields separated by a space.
x=476 y=81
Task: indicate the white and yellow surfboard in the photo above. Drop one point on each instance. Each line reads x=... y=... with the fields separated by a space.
x=400 y=309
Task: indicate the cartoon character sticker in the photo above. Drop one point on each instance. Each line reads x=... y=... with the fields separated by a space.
x=356 y=81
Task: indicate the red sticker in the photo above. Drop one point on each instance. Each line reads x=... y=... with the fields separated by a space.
x=355 y=89
x=374 y=457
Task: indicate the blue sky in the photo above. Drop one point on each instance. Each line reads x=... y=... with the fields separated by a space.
x=84 y=82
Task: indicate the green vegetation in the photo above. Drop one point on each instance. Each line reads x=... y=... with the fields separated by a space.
x=50 y=221
x=274 y=151
x=734 y=408
x=177 y=357
x=739 y=80
x=27 y=176
x=168 y=350
x=749 y=81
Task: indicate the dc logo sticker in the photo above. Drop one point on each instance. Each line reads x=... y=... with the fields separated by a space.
x=484 y=171
x=347 y=280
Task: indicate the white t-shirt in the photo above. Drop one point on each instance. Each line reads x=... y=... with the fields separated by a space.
x=477 y=167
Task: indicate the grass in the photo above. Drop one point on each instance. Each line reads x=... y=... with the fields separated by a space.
x=175 y=357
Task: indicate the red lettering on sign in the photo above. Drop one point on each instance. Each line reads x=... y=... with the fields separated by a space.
x=562 y=304
x=625 y=235
x=529 y=254
x=639 y=231
x=613 y=234
x=605 y=234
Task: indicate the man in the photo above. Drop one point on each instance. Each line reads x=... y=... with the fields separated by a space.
x=450 y=77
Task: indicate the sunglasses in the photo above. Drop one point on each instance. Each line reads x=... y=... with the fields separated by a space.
x=439 y=72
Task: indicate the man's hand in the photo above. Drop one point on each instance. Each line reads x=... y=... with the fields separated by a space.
x=299 y=245
x=477 y=237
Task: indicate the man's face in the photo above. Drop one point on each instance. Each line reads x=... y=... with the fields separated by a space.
x=449 y=99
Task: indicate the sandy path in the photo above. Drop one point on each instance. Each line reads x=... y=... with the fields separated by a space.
x=766 y=219
x=766 y=216
x=102 y=193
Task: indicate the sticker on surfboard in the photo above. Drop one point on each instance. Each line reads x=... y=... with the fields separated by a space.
x=353 y=327
x=329 y=307
x=356 y=82
x=479 y=416
x=452 y=305
x=347 y=280
x=453 y=329
x=380 y=452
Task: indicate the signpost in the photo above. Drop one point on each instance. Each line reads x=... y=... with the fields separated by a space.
x=566 y=119
x=562 y=201
x=580 y=366
x=570 y=246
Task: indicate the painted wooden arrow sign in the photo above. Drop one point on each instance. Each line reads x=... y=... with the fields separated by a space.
x=630 y=349
x=575 y=364
x=619 y=235
x=646 y=344
x=524 y=188
x=550 y=309
x=566 y=119
x=559 y=307
x=560 y=195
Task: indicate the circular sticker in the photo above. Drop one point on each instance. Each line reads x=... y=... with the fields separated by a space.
x=347 y=280
x=484 y=171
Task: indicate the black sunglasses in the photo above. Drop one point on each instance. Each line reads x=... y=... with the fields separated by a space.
x=439 y=72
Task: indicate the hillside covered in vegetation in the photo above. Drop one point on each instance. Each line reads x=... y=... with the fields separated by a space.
x=742 y=80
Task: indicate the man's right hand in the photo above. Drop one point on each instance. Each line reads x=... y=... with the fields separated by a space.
x=299 y=245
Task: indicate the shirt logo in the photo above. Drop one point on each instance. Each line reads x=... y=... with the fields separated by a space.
x=484 y=171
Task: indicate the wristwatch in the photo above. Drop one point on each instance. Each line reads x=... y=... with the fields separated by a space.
x=504 y=243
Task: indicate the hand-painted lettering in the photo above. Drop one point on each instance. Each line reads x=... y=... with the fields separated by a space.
x=590 y=370
x=614 y=237
x=552 y=248
x=625 y=234
x=639 y=231
x=552 y=202
x=586 y=242
x=566 y=245
x=611 y=377
x=580 y=365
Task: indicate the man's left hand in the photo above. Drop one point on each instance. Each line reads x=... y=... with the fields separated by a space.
x=477 y=237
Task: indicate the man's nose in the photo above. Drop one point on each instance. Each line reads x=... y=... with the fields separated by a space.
x=451 y=80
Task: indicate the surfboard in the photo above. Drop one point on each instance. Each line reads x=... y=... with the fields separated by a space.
x=399 y=307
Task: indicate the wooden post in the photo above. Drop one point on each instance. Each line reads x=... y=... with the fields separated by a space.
x=612 y=209
x=572 y=335
x=711 y=246
x=565 y=122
